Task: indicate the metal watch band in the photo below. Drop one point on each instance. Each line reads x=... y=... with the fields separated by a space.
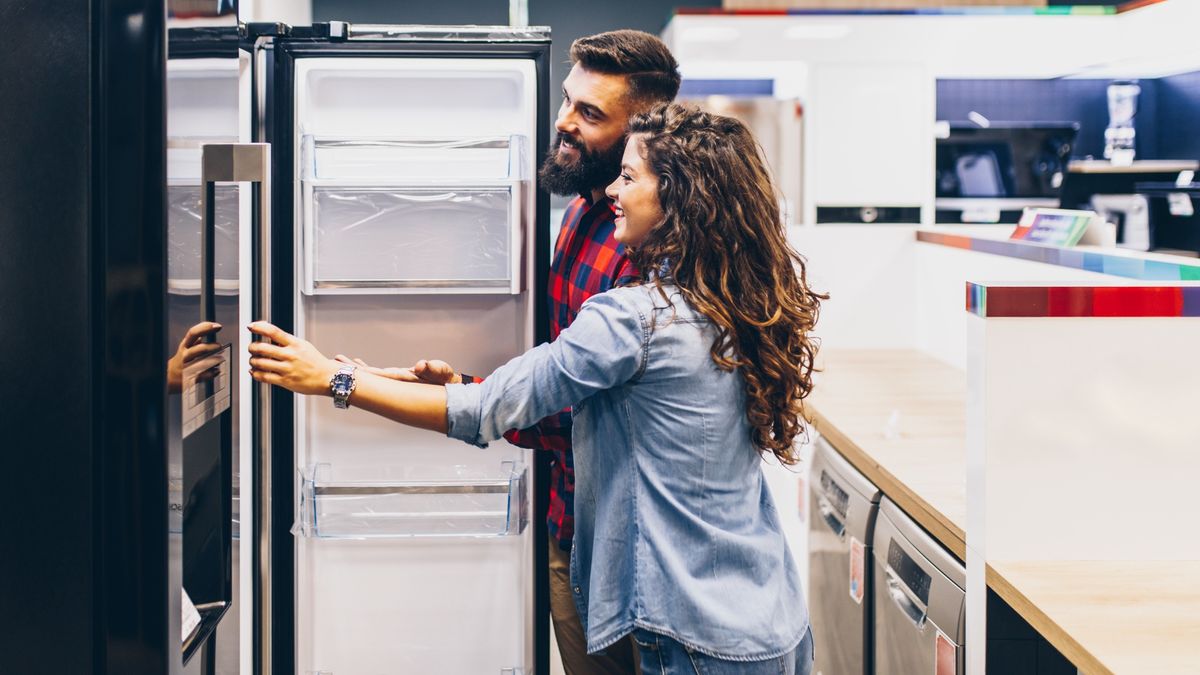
x=341 y=394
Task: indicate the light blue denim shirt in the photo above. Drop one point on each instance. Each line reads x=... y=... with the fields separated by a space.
x=675 y=531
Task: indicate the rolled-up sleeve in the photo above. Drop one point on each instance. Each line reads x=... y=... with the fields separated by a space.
x=604 y=347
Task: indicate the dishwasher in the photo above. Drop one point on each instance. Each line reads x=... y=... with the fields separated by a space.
x=843 y=503
x=920 y=599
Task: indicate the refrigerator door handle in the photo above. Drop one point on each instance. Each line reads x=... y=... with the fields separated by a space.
x=250 y=163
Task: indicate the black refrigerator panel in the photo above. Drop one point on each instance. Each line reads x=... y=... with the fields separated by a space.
x=82 y=325
x=388 y=142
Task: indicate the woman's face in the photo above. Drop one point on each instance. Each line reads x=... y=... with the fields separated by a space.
x=635 y=196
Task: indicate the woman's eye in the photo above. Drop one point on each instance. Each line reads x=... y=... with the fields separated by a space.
x=625 y=177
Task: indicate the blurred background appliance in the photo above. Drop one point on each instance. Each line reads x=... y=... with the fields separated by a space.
x=777 y=124
x=989 y=174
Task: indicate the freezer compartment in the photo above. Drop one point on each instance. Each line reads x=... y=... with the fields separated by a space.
x=413 y=215
x=464 y=504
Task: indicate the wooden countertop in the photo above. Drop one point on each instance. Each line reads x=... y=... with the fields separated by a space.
x=899 y=416
x=1137 y=617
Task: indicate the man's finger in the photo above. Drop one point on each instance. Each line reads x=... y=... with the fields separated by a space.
x=272 y=332
x=342 y=358
x=400 y=374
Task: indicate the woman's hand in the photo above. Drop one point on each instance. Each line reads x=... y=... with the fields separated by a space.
x=192 y=348
x=291 y=363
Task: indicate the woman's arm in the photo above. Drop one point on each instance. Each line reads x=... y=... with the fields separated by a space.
x=295 y=364
x=603 y=348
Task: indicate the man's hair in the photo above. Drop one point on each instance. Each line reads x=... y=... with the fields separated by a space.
x=652 y=71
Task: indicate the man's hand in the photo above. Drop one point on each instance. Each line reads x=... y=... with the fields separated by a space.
x=436 y=372
x=424 y=371
x=290 y=362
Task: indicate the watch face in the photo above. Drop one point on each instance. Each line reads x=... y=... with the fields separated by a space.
x=342 y=382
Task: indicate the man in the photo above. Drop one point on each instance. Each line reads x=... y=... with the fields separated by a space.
x=613 y=76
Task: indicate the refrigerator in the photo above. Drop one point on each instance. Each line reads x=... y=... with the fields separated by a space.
x=82 y=318
x=404 y=223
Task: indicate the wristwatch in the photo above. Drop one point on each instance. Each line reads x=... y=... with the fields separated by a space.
x=342 y=385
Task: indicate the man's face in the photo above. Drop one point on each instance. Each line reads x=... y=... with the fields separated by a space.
x=586 y=155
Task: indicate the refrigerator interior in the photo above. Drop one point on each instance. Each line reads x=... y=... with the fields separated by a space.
x=414 y=240
x=203 y=97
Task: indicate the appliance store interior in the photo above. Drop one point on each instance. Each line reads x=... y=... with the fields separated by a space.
x=999 y=199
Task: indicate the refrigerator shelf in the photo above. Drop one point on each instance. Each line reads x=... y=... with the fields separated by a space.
x=413 y=216
x=406 y=159
x=490 y=506
x=362 y=237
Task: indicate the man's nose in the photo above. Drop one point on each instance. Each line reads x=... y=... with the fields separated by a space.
x=566 y=122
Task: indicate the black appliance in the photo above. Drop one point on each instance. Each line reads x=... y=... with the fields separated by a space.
x=991 y=174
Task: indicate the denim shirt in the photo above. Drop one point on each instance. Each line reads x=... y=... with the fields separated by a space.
x=675 y=530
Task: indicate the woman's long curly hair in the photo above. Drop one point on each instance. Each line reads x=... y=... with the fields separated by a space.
x=722 y=242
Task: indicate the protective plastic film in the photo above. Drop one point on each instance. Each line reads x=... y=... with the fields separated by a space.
x=411 y=237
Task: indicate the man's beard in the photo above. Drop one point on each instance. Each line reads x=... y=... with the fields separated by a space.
x=591 y=170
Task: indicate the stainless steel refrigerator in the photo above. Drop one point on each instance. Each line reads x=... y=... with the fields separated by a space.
x=404 y=223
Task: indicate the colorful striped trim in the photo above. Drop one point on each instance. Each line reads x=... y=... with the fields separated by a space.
x=1092 y=261
x=1060 y=10
x=992 y=302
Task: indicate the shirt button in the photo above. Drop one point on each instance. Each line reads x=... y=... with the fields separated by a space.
x=577 y=590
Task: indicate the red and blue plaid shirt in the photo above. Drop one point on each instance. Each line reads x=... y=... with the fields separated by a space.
x=587 y=261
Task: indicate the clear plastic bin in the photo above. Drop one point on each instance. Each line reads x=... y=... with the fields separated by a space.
x=472 y=505
x=413 y=215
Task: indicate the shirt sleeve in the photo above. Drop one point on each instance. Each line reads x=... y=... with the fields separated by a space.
x=604 y=347
x=550 y=433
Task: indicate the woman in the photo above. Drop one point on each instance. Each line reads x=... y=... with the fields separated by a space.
x=678 y=385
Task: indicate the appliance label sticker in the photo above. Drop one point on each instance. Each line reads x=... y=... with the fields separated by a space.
x=857 y=570
x=802 y=498
x=945 y=655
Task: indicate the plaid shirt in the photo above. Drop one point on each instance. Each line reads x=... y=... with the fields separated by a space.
x=587 y=261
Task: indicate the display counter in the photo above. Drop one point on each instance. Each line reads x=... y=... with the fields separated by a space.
x=1029 y=408
x=899 y=417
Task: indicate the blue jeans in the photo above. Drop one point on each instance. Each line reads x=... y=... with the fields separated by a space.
x=660 y=655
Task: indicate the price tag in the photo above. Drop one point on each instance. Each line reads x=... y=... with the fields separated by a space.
x=945 y=655
x=858 y=571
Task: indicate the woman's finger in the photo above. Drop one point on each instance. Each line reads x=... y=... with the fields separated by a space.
x=269 y=365
x=269 y=350
x=272 y=332
x=267 y=377
x=198 y=331
x=342 y=358
x=200 y=350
